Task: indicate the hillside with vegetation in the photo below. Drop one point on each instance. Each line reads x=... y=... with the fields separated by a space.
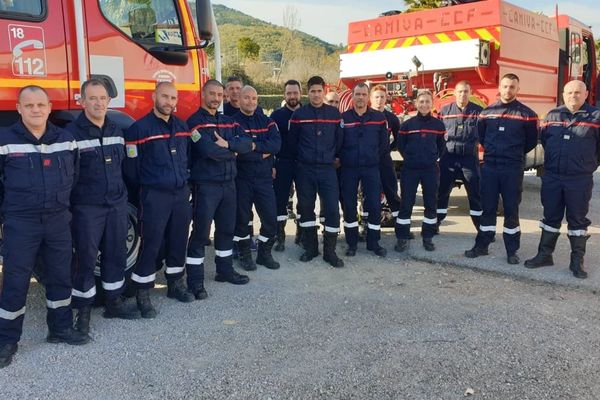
x=268 y=54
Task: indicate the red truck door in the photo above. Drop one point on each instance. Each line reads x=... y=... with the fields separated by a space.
x=33 y=52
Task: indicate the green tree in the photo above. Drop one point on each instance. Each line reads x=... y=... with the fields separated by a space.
x=248 y=48
x=418 y=5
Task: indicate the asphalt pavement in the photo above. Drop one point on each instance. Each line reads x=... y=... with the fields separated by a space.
x=393 y=328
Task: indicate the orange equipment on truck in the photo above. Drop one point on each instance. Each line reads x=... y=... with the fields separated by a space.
x=478 y=42
x=128 y=44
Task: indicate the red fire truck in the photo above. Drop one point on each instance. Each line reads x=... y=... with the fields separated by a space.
x=129 y=44
x=477 y=41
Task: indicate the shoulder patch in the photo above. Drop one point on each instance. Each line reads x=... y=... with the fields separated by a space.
x=342 y=123
x=131 y=151
x=196 y=135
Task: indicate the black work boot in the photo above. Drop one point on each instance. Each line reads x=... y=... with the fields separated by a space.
x=115 y=307
x=543 y=258
x=176 y=290
x=577 y=253
x=311 y=244
x=233 y=277
x=329 y=255
x=245 y=255
x=476 y=251
x=299 y=239
x=7 y=352
x=280 y=246
x=144 y=304
x=68 y=336
x=264 y=256
x=401 y=245
x=428 y=244
x=82 y=320
x=198 y=291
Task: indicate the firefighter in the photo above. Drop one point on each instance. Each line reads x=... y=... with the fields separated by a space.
x=421 y=143
x=254 y=182
x=571 y=138
x=387 y=172
x=461 y=160
x=333 y=99
x=99 y=207
x=285 y=165
x=316 y=136
x=38 y=164
x=365 y=142
x=216 y=139
x=157 y=163
x=507 y=130
x=233 y=87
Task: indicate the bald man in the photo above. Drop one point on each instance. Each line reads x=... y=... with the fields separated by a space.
x=333 y=99
x=571 y=139
x=157 y=163
x=254 y=182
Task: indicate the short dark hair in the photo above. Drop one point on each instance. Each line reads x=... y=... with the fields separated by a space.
x=511 y=76
x=361 y=85
x=212 y=82
x=31 y=88
x=92 y=82
x=292 y=82
x=234 y=79
x=315 y=80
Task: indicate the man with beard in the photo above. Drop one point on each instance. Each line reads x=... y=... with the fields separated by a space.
x=216 y=142
x=507 y=130
x=254 y=182
x=157 y=163
x=285 y=165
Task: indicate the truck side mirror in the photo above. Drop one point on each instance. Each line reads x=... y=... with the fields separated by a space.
x=204 y=19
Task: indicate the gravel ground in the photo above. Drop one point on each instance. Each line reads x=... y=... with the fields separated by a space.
x=378 y=329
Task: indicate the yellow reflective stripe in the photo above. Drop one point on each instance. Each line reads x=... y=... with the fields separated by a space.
x=442 y=37
x=408 y=42
x=359 y=48
x=45 y=83
x=391 y=44
x=374 y=46
x=485 y=34
x=424 y=39
x=462 y=35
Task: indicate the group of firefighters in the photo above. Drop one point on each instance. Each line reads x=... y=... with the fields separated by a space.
x=65 y=191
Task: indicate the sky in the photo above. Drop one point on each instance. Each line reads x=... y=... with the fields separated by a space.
x=328 y=19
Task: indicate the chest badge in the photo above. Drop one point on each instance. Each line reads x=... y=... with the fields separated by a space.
x=196 y=135
x=47 y=162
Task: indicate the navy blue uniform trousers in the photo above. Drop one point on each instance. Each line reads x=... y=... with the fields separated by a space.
x=466 y=169
x=321 y=179
x=164 y=215
x=389 y=182
x=257 y=191
x=26 y=237
x=212 y=201
x=505 y=181
x=570 y=194
x=99 y=229
x=409 y=182
x=369 y=177
x=285 y=176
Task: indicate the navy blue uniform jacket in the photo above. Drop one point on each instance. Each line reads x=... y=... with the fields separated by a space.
x=157 y=153
x=36 y=175
x=101 y=156
x=507 y=132
x=571 y=141
x=421 y=141
x=365 y=139
x=315 y=134
x=210 y=162
x=461 y=128
x=267 y=140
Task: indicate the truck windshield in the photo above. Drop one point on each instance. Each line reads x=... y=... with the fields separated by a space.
x=145 y=21
x=21 y=8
